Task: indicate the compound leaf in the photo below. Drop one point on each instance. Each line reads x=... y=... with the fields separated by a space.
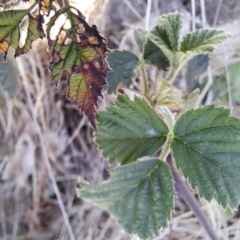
x=122 y=64
x=202 y=41
x=166 y=36
x=206 y=148
x=140 y=195
x=130 y=130
x=80 y=52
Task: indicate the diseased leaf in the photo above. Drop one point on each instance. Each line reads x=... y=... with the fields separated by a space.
x=33 y=33
x=80 y=51
x=140 y=38
x=122 y=64
x=10 y=31
x=140 y=195
x=206 y=148
x=129 y=130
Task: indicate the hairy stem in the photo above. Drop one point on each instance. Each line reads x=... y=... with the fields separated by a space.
x=144 y=80
x=166 y=149
x=184 y=192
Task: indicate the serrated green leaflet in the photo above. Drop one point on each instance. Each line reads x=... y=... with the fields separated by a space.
x=130 y=130
x=122 y=64
x=202 y=41
x=206 y=148
x=140 y=195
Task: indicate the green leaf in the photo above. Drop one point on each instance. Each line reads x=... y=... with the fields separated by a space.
x=206 y=148
x=140 y=38
x=140 y=195
x=130 y=130
x=153 y=55
x=202 y=41
x=11 y=25
x=122 y=64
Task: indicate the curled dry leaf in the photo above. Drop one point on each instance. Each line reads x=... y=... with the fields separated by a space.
x=80 y=52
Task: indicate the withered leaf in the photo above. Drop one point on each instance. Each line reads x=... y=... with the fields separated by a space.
x=80 y=51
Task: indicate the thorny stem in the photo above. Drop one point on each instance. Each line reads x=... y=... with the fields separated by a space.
x=144 y=80
x=184 y=192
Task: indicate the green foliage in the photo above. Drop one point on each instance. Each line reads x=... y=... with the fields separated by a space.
x=153 y=55
x=206 y=148
x=202 y=41
x=130 y=130
x=122 y=64
x=205 y=142
x=140 y=195
x=166 y=35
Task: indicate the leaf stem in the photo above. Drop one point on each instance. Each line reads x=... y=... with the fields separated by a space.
x=166 y=148
x=144 y=80
x=170 y=120
x=184 y=192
